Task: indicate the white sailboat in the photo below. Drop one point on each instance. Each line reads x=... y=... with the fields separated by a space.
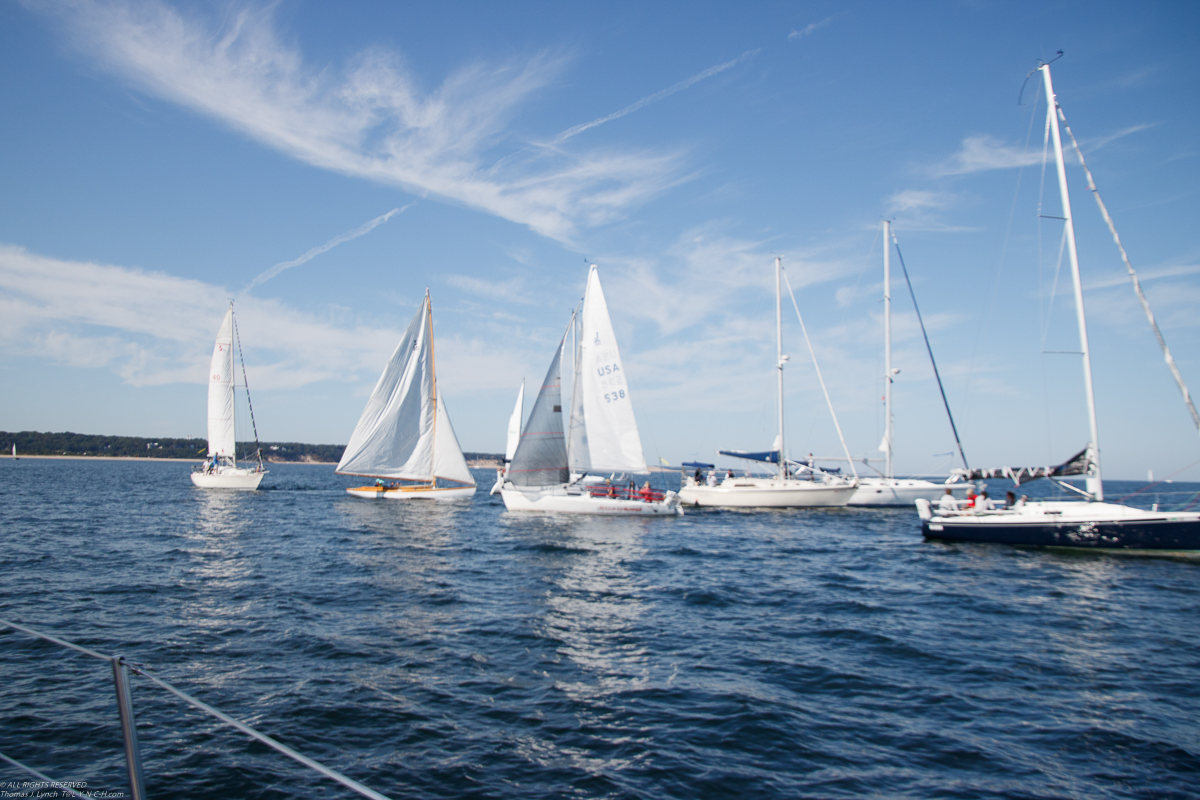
x=514 y=438
x=602 y=435
x=794 y=485
x=887 y=489
x=404 y=433
x=220 y=470
x=1089 y=523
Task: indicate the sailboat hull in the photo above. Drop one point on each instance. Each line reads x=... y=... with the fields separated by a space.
x=767 y=493
x=903 y=491
x=1091 y=526
x=558 y=500
x=412 y=492
x=228 y=478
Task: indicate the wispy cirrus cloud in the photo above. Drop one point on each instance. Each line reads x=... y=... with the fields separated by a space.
x=982 y=153
x=368 y=119
x=809 y=29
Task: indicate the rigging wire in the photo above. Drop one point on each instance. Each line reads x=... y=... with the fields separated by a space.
x=929 y=349
x=246 y=383
x=1137 y=286
x=820 y=379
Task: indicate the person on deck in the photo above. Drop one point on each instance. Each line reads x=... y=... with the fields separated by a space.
x=947 y=502
x=712 y=478
x=982 y=503
x=645 y=491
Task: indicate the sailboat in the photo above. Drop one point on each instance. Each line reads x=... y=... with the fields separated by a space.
x=1090 y=523
x=794 y=485
x=514 y=438
x=15 y=457
x=887 y=489
x=404 y=438
x=220 y=470
x=549 y=470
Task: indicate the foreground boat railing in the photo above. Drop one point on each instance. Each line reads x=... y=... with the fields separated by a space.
x=121 y=671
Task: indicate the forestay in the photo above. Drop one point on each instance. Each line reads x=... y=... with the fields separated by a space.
x=220 y=392
x=541 y=455
x=604 y=433
x=395 y=434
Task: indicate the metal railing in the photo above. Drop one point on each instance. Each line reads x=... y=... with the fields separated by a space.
x=121 y=671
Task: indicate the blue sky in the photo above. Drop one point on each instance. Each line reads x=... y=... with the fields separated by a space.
x=323 y=164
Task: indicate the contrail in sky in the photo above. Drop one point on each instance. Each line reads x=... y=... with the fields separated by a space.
x=332 y=243
x=645 y=101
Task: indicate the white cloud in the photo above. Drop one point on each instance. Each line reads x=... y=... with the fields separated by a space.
x=980 y=153
x=370 y=119
x=809 y=29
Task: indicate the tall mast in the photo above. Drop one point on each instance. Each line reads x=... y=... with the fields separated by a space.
x=887 y=348
x=779 y=360
x=432 y=381
x=1095 y=484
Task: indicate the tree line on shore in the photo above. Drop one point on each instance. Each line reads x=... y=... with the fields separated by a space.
x=34 y=443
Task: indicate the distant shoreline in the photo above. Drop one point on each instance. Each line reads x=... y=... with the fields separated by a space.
x=475 y=464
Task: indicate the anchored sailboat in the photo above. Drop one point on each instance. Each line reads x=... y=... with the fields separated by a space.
x=1091 y=524
x=220 y=469
x=404 y=433
x=603 y=434
x=794 y=485
x=887 y=489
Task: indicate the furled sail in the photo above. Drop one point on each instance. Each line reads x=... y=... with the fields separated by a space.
x=541 y=455
x=1082 y=463
x=448 y=461
x=395 y=434
x=769 y=456
x=220 y=392
x=604 y=433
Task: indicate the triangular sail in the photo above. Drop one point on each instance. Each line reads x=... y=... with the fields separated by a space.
x=395 y=434
x=514 y=425
x=220 y=392
x=541 y=455
x=448 y=461
x=604 y=433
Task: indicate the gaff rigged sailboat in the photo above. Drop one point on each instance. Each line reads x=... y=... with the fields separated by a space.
x=404 y=433
x=1092 y=523
x=603 y=434
x=220 y=469
x=794 y=485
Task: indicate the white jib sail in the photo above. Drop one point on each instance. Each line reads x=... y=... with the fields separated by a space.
x=220 y=392
x=448 y=461
x=609 y=427
x=514 y=425
x=394 y=436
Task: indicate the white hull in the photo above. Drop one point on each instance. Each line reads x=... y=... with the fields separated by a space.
x=903 y=491
x=413 y=492
x=228 y=478
x=558 y=500
x=767 y=493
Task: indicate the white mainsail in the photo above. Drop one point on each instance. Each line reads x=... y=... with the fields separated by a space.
x=404 y=431
x=604 y=434
x=220 y=392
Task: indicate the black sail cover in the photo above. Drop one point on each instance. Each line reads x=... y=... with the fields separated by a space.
x=1079 y=464
x=541 y=455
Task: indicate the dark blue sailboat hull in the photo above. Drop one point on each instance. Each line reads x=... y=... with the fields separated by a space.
x=1146 y=534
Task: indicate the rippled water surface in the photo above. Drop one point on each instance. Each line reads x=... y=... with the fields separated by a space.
x=456 y=650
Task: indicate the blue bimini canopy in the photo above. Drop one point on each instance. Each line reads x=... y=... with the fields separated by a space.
x=769 y=456
x=696 y=465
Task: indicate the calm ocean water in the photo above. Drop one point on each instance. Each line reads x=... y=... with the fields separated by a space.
x=458 y=651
